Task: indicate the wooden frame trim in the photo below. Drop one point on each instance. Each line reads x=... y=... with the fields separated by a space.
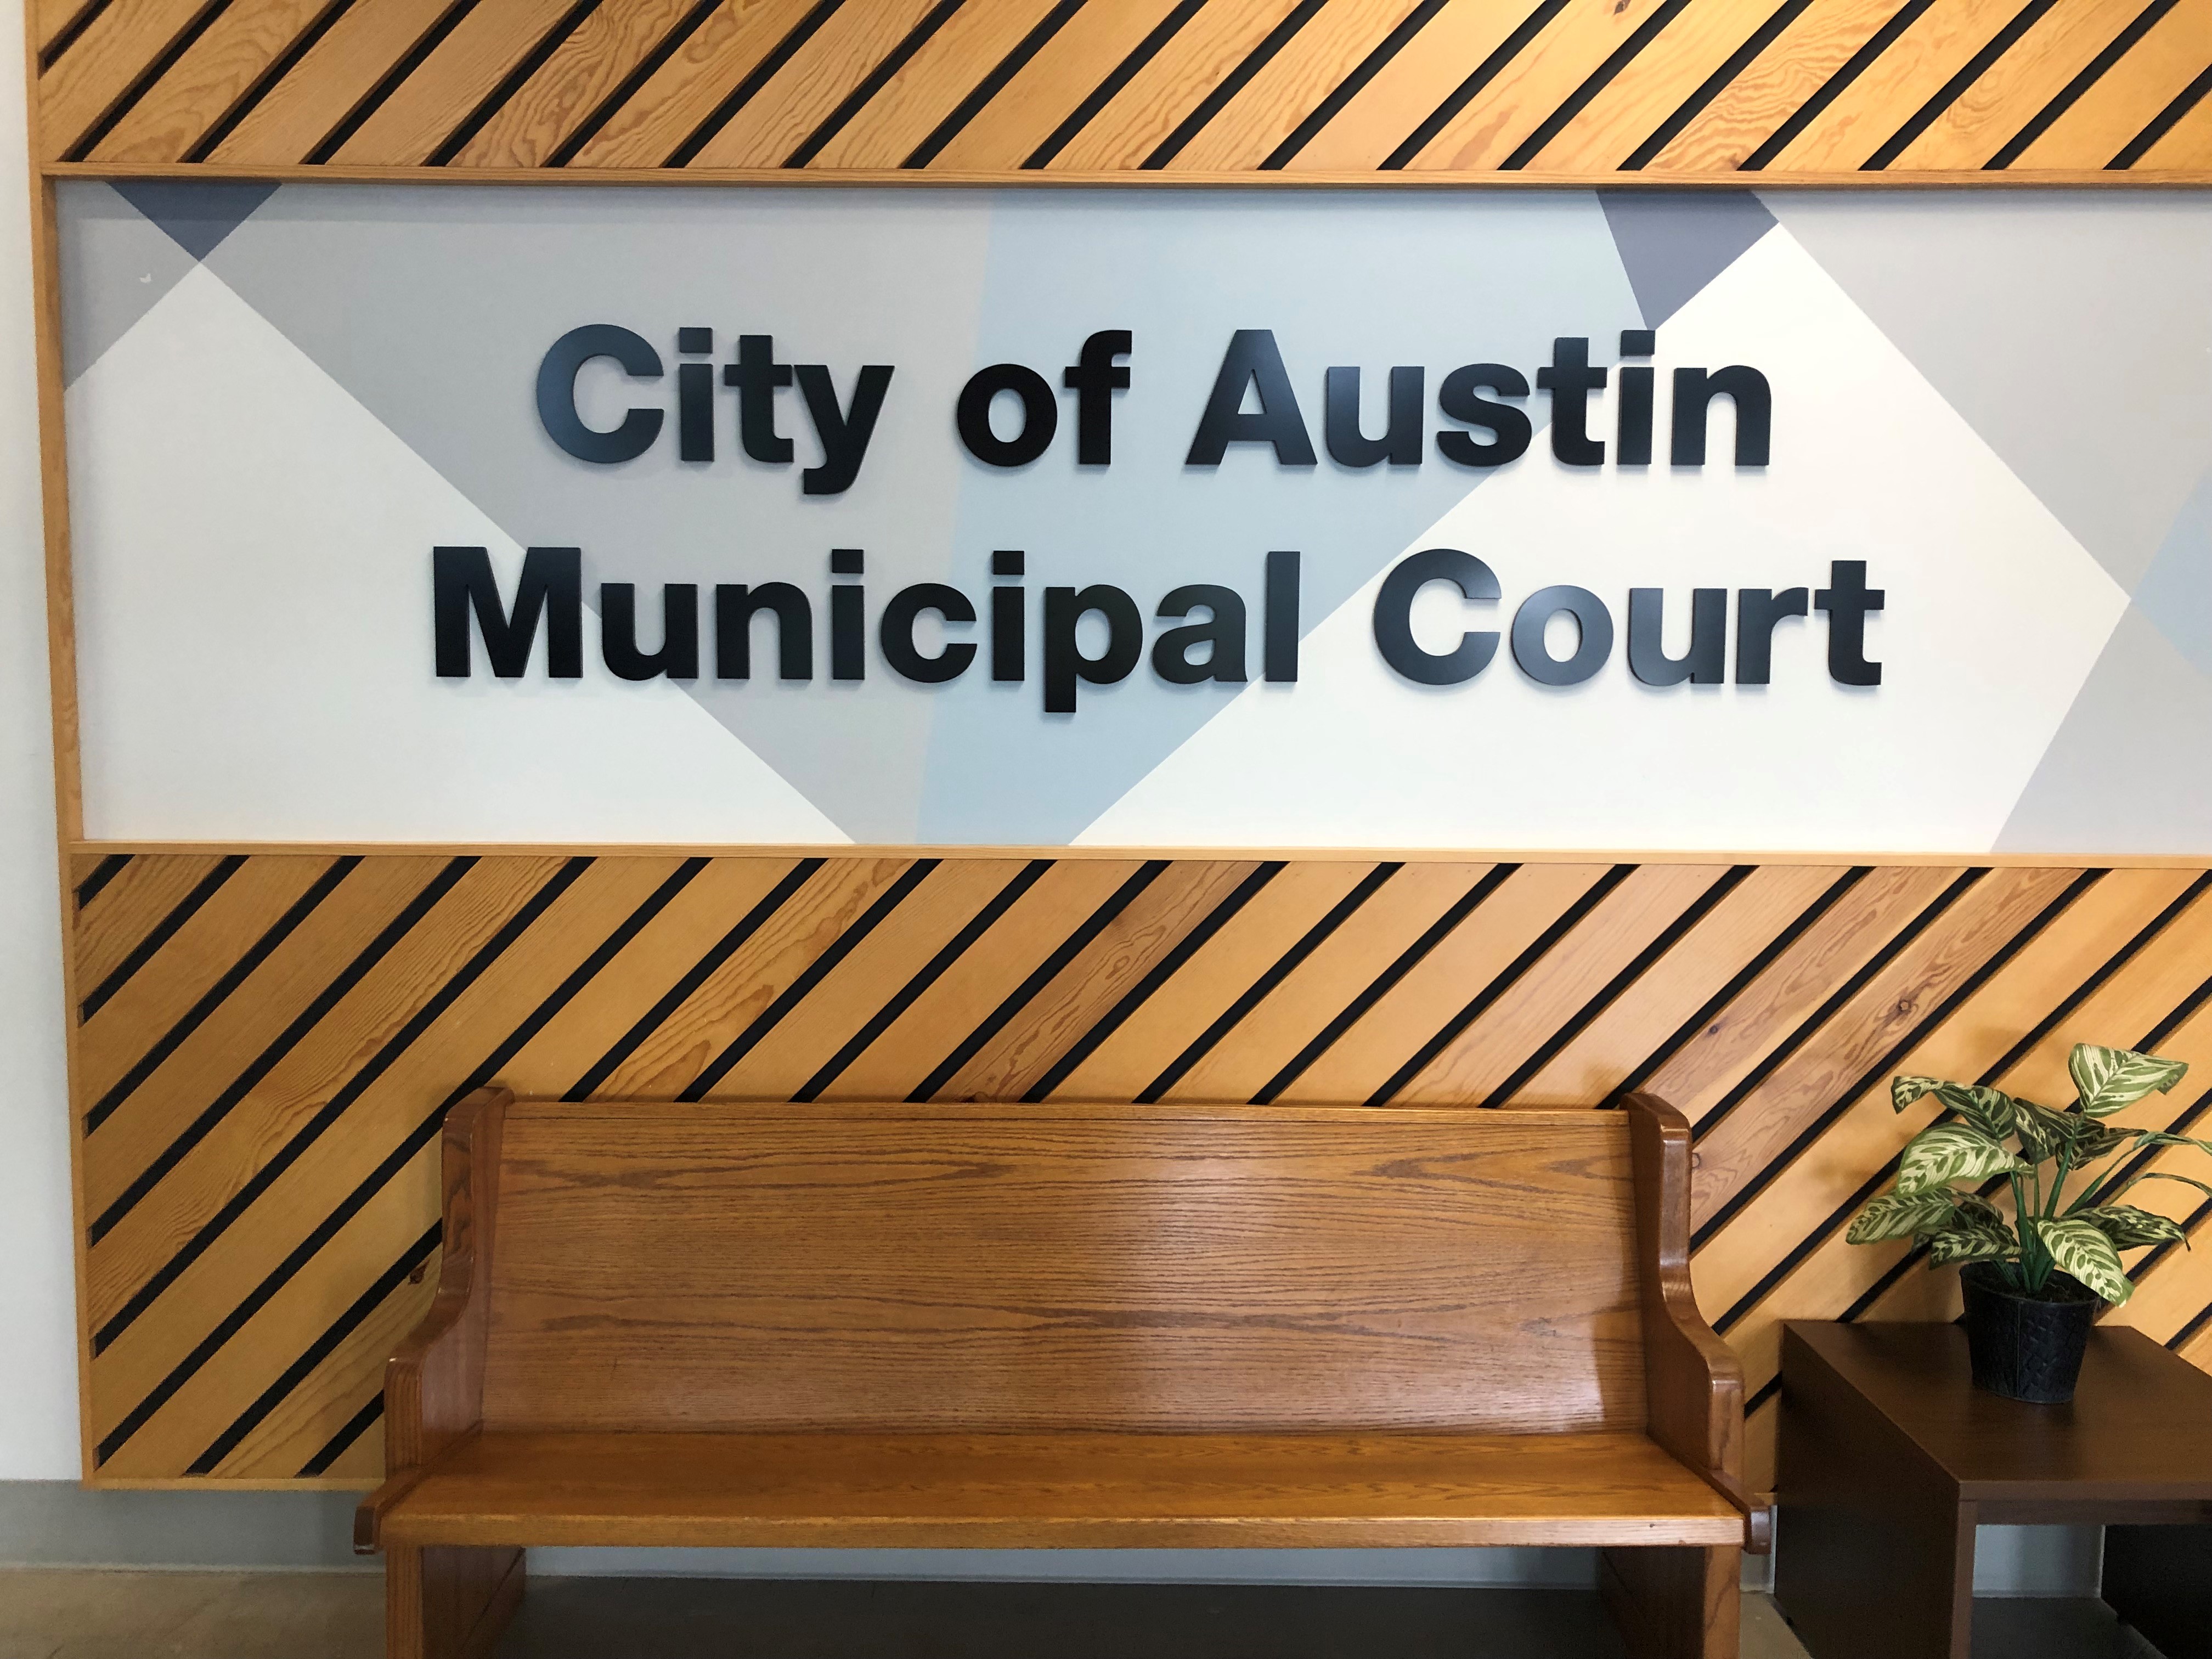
x=907 y=178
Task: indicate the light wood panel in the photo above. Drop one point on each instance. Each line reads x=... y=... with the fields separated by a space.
x=1564 y=89
x=249 y=1236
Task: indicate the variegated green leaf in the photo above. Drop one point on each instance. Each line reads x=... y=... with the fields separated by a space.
x=2100 y=1141
x=1971 y=1245
x=2162 y=1175
x=2080 y=1248
x=1900 y=1215
x=1904 y=1091
x=2042 y=1132
x=1990 y=1110
x=2110 y=1079
x=1948 y=1152
x=1975 y=1210
x=2127 y=1226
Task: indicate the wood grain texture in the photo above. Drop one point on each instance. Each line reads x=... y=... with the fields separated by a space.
x=728 y=1268
x=519 y=88
x=1778 y=84
x=930 y=85
x=819 y=77
x=409 y=127
x=1979 y=122
x=1099 y=1490
x=582 y=73
x=1051 y=87
x=205 y=84
x=1937 y=44
x=1494 y=124
x=1270 y=107
x=1156 y=101
x=679 y=95
x=1777 y=1013
x=1385 y=112
x=2103 y=119
x=1633 y=106
x=329 y=82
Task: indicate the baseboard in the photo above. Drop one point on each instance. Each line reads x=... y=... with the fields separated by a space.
x=60 y=1523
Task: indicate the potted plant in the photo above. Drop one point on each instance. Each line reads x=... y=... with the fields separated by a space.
x=2033 y=1281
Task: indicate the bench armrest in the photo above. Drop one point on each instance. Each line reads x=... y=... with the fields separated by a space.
x=1694 y=1382
x=434 y=1385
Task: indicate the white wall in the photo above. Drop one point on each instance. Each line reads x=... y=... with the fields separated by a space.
x=38 y=1384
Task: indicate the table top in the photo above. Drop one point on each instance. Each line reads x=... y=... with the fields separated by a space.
x=2139 y=1426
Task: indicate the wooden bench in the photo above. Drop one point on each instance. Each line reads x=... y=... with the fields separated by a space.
x=1067 y=1325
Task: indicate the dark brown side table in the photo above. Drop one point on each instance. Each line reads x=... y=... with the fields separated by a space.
x=1890 y=1458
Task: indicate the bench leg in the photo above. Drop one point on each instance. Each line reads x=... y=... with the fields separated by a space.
x=442 y=1602
x=1674 y=1602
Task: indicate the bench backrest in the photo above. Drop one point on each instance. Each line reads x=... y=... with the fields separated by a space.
x=658 y=1266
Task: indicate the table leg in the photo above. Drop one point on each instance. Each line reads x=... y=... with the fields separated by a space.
x=1874 y=1554
x=2159 y=1579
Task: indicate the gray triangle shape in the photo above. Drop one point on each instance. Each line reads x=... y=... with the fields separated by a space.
x=1672 y=243
x=2124 y=772
x=197 y=216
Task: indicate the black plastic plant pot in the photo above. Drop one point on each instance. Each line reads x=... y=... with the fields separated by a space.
x=2026 y=1347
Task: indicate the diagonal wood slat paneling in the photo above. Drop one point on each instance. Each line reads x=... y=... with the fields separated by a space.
x=1468 y=88
x=263 y=1195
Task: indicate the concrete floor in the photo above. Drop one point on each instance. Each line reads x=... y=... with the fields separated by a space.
x=77 y=1613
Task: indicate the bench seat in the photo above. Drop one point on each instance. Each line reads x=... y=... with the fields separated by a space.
x=1069 y=1489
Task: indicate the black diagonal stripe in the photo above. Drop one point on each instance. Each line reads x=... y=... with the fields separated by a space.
x=1742 y=980
x=2070 y=93
x=354 y=1087
x=1103 y=93
x=1482 y=1001
x=878 y=79
x=164 y=930
x=992 y=84
x=1646 y=959
x=86 y=16
x=1718 y=83
x=354 y=1426
x=170 y=1041
x=377 y=949
x=1978 y=65
x=1819 y=1125
x=1404 y=964
x=1763 y=1394
x=928 y=975
x=680 y=993
x=1234 y=82
x=389 y=82
x=1162 y=971
x=1812 y=109
x=1352 y=85
x=627 y=89
x=103 y=872
x=1047 y=971
x=144 y=82
x=1465 y=93
x=398 y=1160
x=1261 y=988
x=2180 y=1338
x=320 y=1350
x=2161 y=124
x=513 y=81
x=280 y=66
x=815 y=972
x=1890 y=951
x=1555 y=123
